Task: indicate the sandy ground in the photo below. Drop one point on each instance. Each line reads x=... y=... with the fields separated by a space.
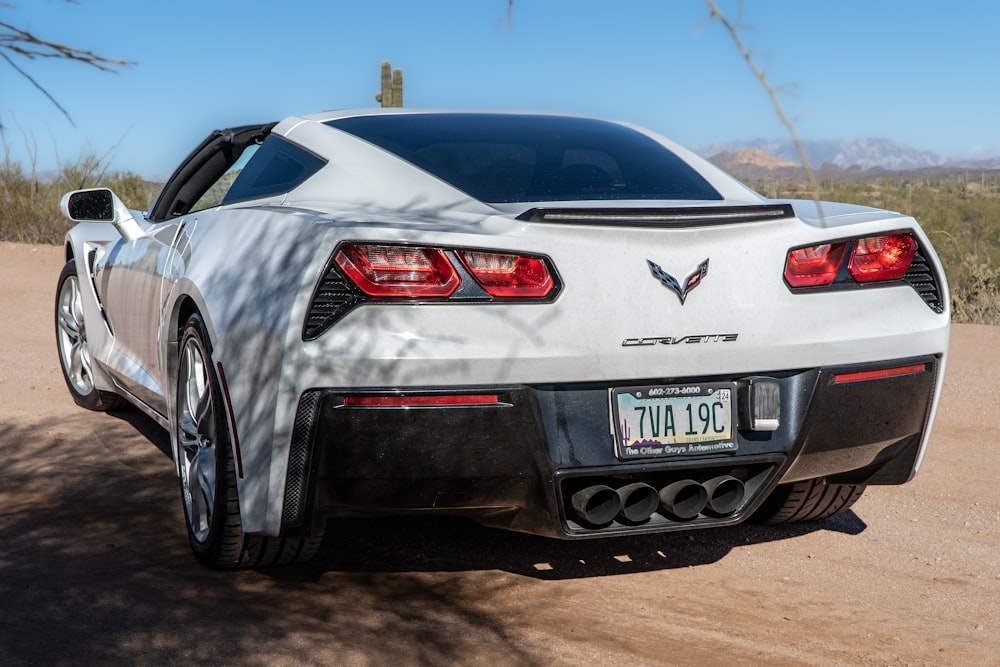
x=95 y=568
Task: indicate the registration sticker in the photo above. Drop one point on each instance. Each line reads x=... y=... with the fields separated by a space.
x=674 y=420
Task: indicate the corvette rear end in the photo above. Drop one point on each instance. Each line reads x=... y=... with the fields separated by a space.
x=621 y=399
x=555 y=325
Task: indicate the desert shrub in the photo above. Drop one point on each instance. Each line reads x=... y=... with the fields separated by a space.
x=29 y=205
x=976 y=297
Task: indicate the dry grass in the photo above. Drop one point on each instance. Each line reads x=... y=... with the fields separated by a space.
x=29 y=206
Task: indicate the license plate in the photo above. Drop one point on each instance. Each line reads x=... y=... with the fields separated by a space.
x=674 y=420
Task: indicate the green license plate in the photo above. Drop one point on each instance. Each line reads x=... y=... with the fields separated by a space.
x=674 y=420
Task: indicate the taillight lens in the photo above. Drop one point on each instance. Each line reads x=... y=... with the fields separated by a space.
x=869 y=259
x=882 y=257
x=814 y=266
x=398 y=271
x=505 y=275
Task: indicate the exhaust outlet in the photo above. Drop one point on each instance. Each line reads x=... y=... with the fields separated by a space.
x=596 y=505
x=683 y=500
x=725 y=494
x=638 y=502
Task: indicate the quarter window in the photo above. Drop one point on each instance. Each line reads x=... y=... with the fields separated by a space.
x=214 y=195
x=275 y=168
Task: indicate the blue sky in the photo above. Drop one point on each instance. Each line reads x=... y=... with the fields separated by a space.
x=925 y=74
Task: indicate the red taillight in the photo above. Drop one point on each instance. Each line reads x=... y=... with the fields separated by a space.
x=814 y=266
x=398 y=271
x=505 y=275
x=438 y=400
x=869 y=259
x=882 y=257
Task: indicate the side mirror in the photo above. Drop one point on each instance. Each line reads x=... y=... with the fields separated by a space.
x=100 y=205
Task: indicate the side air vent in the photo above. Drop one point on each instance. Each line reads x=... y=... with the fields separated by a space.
x=91 y=263
x=334 y=297
x=922 y=278
x=297 y=478
x=695 y=216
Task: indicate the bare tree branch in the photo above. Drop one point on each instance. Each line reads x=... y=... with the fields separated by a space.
x=731 y=28
x=38 y=86
x=30 y=46
x=21 y=43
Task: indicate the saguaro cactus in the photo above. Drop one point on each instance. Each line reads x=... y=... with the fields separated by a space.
x=392 y=87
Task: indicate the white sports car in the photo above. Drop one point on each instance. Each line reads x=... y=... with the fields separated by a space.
x=550 y=324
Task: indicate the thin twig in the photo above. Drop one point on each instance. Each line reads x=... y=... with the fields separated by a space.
x=19 y=42
x=38 y=86
x=716 y=13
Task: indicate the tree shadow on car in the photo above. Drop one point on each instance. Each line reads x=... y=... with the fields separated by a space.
x=450 y=544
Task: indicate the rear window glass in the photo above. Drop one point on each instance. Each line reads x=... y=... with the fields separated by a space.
x=502 y=158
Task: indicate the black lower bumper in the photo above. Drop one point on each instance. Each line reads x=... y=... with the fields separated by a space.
x=518 y=462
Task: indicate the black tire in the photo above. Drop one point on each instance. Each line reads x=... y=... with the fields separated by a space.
x=74 y=352
x=208 y=476
x=807 y=500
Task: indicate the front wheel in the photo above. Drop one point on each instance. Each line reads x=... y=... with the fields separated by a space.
x=208 y=475
x=74 y=352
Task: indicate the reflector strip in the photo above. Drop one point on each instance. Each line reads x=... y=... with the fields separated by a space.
x=232 y=420
x=879 y=374
x=419 y=401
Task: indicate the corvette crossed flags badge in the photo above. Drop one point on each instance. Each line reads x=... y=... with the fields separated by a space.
x=681 y=290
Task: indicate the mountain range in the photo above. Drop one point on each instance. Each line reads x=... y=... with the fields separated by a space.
x=848 y=154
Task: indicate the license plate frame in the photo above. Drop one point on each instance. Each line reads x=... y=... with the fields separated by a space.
x=678 y=425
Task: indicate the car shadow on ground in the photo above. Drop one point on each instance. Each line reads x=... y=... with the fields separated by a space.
x=95 y=568
x=454 y=544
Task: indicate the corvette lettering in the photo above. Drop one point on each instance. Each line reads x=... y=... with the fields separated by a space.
x=677 y=340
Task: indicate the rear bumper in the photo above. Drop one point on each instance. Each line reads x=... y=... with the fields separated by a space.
x=517 y=463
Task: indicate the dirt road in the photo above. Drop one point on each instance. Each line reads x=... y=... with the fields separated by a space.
x=95 y=569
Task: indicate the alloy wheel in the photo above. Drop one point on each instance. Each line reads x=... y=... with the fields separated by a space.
x=197 y=438
x=72 y=337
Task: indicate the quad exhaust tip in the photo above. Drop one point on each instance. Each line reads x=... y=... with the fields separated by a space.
x=725 y=495
x=597 y=505
x=638 y=502
x=683 y=500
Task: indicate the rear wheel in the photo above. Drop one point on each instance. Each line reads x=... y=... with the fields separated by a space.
x=807 y=500
x=208 y=475
x=74 y=352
